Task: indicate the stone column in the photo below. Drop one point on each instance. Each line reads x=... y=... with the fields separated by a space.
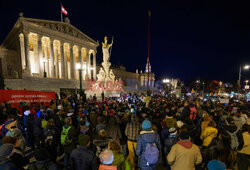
x=51 y=65
x=40 y=54
x=22 y=51
x=63 y=61
x=88 y=63
x=46 y=59
x=80 y=59
x=56 y=71
x=27 y=52
x=94 y=64
x=72 y=63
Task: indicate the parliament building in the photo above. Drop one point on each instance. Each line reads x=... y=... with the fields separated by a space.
x=42 y=55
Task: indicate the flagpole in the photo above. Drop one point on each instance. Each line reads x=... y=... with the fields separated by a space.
x=111 y=46
x=61 y=13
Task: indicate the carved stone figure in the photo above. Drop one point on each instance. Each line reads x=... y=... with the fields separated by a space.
x=105 y=49
x=111 y=75
x=101 y=75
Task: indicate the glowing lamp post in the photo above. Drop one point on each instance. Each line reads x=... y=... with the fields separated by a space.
x=246 y=67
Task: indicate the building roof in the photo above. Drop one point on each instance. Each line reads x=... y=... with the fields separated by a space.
x=57 y=28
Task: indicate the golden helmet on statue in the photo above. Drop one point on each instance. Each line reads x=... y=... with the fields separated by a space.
x=105 y=38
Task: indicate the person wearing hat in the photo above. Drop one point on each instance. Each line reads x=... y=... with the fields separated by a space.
x=42 y=161
x=184 y=154
x=170 y=120
x=6 y=151
x=147 y=136
x=82 y=157
x=169 y=142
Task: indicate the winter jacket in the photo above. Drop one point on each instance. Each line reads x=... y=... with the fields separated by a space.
x=71 y=134
x=82 y=158
x=48 y=165
x=239 y=121
x=6 y=164
x=185 y=113
x=164 y=134
x=144 y=138
x=170 y=122
x=246 y=146
x=169 y=142
x=18 y=158
x=208 y=135
x=114 y=132
x=101 y=144
x=120 y=161
x=37 y=127
x=184 y=155
x=231 y=129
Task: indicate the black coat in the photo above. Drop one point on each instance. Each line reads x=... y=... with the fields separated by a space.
x=82 y=158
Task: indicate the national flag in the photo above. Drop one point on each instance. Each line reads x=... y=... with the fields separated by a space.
x=64 y=10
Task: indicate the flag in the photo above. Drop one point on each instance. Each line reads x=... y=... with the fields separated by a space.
x=64 y=10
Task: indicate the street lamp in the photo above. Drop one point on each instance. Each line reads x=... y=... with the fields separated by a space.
x=166 y=80
x=44 y=71
x=79 y=68
x=246 y=67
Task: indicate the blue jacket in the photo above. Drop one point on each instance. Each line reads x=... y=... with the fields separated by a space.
x=144 y=138
x=82 y=158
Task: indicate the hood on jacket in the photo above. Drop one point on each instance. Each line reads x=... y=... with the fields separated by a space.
x=148 y=136
x=185 y=143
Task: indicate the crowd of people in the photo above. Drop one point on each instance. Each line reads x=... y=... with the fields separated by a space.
x=125 y=133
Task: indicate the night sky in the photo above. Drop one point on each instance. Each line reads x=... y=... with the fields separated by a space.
x=189 y=39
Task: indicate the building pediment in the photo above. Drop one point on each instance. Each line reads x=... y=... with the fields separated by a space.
x=58 y=26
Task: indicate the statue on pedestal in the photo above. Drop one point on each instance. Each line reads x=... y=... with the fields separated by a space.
x=105 y=49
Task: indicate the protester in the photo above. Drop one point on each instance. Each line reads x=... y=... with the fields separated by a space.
x=184 y=154
x=82 y=157
x=148 y=147
x=119 y=159
x=132 y=132
x=6 y=151
x=244 y=153
x=106 y=130
x=42 y=161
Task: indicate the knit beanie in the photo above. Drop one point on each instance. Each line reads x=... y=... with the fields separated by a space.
x=6 y=150
x=83 y=139
x=146 y=125
x=216 y=165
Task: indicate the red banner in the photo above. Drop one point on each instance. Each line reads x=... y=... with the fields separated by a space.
x=14 y=97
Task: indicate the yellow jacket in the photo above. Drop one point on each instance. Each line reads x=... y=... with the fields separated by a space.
x=183 y=157
x=246 y=146
x=208 y=135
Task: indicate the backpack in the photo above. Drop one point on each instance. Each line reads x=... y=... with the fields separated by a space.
x=65 y=137
x=151 y=153
x=234 y=140
x=193 y=113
